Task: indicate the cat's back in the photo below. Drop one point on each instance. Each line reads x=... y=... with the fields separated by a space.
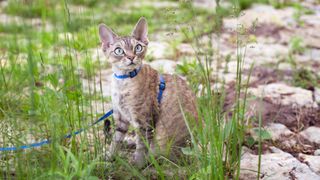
x=178 y=102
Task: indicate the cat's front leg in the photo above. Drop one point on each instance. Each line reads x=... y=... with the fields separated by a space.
x=144 y=135
x=121 y=128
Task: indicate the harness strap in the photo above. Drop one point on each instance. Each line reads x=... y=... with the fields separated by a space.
x=162 y=87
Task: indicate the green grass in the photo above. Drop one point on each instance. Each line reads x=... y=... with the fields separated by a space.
x=42 y=94
x=245 y=4
x=305 y=78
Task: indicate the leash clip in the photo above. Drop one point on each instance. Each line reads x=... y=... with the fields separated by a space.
x=133 y=73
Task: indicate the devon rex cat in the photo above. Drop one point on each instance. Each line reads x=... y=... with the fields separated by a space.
x=135 y=91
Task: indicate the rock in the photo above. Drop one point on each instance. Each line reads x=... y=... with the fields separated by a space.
x=312 y=161
x=311 y=134
x=284 y=66
x=260 y=53
x=309 y=56
x=314 y=54
x=164 y=65
x=206 y=4
x=185 y=49
x=278 y=131
x=227 y=77
x=159 y=50
x=275 y=165
x=232 y=66
x=317 y=152
x=309 y=3
x=282 y=134
x=261 y=14
x=266 y=39
x=215 y=87
x=311 y=19
x=284 y=95
x=311 y=37
x=211 y=5
x=3 y=4
x=246 y=150
x=317 y=95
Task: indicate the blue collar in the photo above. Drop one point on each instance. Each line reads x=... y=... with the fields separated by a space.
x=131 y=74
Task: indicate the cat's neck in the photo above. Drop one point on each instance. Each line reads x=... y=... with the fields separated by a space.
x=118 y=71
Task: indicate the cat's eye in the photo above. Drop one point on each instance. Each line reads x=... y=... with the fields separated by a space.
x=118 y=51
x=138 y=48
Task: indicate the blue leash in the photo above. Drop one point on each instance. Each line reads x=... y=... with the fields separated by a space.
x=132 y=74
x=44 y=142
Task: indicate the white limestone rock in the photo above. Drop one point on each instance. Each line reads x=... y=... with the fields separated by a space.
x=312 y=134
x=164 y=65
x=274 y=166
x=283 y=94
x=312 y=161
x=278 y=131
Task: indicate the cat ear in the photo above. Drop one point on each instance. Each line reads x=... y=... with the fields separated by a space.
x=107 y=36
x=140 y=31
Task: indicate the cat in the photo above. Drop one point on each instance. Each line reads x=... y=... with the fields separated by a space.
x=135 y=99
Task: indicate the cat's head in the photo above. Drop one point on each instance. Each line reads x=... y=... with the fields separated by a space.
x=125 y=53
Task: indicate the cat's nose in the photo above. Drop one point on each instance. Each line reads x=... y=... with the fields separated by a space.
x=131 y=58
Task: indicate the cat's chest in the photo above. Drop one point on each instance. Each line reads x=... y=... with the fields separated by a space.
x=125 y=94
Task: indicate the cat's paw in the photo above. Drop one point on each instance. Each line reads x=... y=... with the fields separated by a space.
x=139 y=159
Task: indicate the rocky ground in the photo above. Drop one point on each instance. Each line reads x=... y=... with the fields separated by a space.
x=289 y=110
x=283 y=45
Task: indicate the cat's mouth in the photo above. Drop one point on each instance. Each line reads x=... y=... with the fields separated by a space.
x=131 y=64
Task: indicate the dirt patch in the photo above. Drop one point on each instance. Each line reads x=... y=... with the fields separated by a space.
x=296 y=119
x=267 y=75
x=267 y=30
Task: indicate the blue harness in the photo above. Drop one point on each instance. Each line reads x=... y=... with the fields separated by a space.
x=131 y=74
